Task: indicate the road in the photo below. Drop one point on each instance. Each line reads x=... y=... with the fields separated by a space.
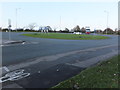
x=51 y=60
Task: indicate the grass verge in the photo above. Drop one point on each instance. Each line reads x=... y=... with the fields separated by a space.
x=66 y=36
x=104 y=75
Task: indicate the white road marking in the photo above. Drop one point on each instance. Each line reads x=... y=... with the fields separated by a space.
x=6 y=69
x=54 y=57
x=14 y=75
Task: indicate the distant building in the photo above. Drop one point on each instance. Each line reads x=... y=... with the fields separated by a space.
x=45 y=29
x=98 y=31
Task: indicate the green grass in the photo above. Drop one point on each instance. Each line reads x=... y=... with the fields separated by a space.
x=66 y=36
x=104 y=75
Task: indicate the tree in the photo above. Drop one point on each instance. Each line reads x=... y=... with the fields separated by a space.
x=49 y=28
x=5 y=29
x=20 y=29
x=76 y=29
x=32 y=26
x=108 y=31
x=83 y=30
x=0 y=28
x=118 y=32
x=66 y=29
x=40 y=29
x=54 y=29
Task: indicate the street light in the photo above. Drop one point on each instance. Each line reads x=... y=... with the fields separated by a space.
x=107 y=19
x=119 y=15
x=16 y=17
x=9 y=28
x=60 y=22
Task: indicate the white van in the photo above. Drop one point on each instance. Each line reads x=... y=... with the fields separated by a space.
x=77 y=33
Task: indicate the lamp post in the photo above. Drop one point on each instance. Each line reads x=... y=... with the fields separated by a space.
x=107 y=19
x=16 y=17
x=60 y=22
x=9 y=28
x=119 y=15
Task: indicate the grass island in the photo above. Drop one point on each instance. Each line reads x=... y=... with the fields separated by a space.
x=66 y=36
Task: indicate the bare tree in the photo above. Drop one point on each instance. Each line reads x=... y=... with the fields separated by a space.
x=83 y=30
x=32 y=26
x=54 y=29
x=76 y=29
x=66 y=29
x=108 y=31
x=49 y=28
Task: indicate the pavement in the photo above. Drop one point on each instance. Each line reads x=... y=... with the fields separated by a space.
x=50 y=61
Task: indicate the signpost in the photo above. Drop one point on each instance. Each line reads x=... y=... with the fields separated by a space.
x=107 y=19
x=119 y=15
x=9 y=28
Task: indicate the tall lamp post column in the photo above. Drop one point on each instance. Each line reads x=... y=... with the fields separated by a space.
x=9 y=28
x=16 y=17
x=107 y=19
x=60 y=22
x=119 y=15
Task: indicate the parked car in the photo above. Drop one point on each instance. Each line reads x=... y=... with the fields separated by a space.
x=77 y=33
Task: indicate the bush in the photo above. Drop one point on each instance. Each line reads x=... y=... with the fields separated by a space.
x=5 y=29
x=118 y=32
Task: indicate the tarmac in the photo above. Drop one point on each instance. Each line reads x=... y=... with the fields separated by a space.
x=50 y=69
x=51 y=74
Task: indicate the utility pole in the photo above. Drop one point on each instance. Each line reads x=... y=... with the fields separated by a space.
x=9 y=28
x=16 y=17
x=60 y=22
x=107 y=19
x=119 y=15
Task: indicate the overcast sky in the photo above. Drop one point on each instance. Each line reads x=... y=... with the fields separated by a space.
x=60 y=14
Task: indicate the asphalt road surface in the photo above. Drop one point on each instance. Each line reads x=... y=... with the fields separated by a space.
x=50 y=61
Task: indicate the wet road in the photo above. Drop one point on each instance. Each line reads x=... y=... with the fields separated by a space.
x=42 y=57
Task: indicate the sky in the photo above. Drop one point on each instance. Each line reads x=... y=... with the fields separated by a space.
x=61 y=14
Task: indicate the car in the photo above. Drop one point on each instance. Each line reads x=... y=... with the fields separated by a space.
x=77 y=33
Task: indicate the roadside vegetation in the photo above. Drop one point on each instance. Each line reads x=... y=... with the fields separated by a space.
x=31 y=28
x=103 y=75
x=66 y=36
